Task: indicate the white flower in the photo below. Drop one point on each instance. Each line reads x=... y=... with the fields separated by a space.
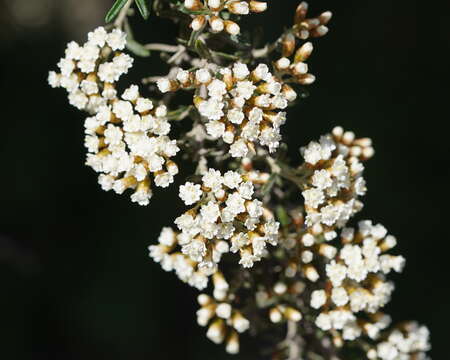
x=232 y=179
x=239 y=149
x=313 y=197
x=210 y=212
x=190 y=193
x=116 y=39
x=339 y=296
x=212 y=179
x=322 y=179
x=318 y=298
x=336 y=273
x=217 y=88
x=240 y=71
x=203 y=76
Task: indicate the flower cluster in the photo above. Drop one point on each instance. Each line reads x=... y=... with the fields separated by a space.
x=296 y=68
x=331 y=192
x=240 y=106
x=126 y=137
x=313 y=27
x=355 y=281
x=224 y=321
x=321 y=285
x=128 y=143
x=89 y=72
x=168 y=253
x=225 y=210
x=408 y=341
x=213 y=12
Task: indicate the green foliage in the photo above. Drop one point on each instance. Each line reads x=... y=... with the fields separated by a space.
x=137 y=48
x=143 y=9
x=119 y=4
x=115 y=9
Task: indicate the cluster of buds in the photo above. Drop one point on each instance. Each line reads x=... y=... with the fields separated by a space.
x=216 y=13
x=89 y=72
x=407 y=341
x=238 y=105
x=355 y=282
x=225 y=215
x=168 y=253
x=126 y=137
x=224 y=321
x=314 y=27
x=296 y=68
x=331 y=192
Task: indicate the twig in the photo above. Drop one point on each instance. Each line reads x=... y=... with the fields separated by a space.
x=123 y=14
x=162 y=47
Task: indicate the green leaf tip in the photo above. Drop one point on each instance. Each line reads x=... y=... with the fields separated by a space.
x=143 y=8
x=115 y=9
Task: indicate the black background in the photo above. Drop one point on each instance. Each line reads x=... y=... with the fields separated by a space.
x=75 y=278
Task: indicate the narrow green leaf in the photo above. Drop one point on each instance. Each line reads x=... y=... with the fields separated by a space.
x=283 y=216
x=115 y=9
x=202 y=49
x=137 y=48
x=143 y=9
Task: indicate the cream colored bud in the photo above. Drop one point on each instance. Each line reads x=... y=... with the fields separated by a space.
x=368 y=152
x=280 y=288
x=348 y=137
x=311 y=273
x=300 y=68
x=219 y=281
x=216 y=331
x=306 y=79
x=223 y=310
x=325 y=17
x=292 y=314
x=193 y=4
x=300 y=12
x=214 y=4
x=303 y=52
x=232 y=346
x=282 y=63
x=258 y=6
x=240 y=323
x=217 y=24
x=198 y=22
x=204 y=299
x=289 y=93
x=238 y=8
x=337 y=132
x=275 y=315
x=232 y=28
x=288 y=44
x=319 y=31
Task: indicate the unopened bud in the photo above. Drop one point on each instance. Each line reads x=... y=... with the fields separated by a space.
x=303 y=52
x=232 y=28
x=232 y=346
x=257 y=6
x=300 y=12
x=288 y=44
x=198 y=22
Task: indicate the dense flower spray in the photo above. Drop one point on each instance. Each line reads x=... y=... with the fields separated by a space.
x=269 y=241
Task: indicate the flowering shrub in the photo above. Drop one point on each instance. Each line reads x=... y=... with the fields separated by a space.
x=273 y=235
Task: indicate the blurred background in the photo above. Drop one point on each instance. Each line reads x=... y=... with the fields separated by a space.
x=76 y=281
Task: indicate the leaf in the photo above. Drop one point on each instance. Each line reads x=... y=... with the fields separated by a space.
x=202 y=49
x=283 y=216
x=143 y=9
x=137 y=49
x=115 y=9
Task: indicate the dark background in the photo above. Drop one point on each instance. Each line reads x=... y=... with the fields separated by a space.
x=76 y=281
